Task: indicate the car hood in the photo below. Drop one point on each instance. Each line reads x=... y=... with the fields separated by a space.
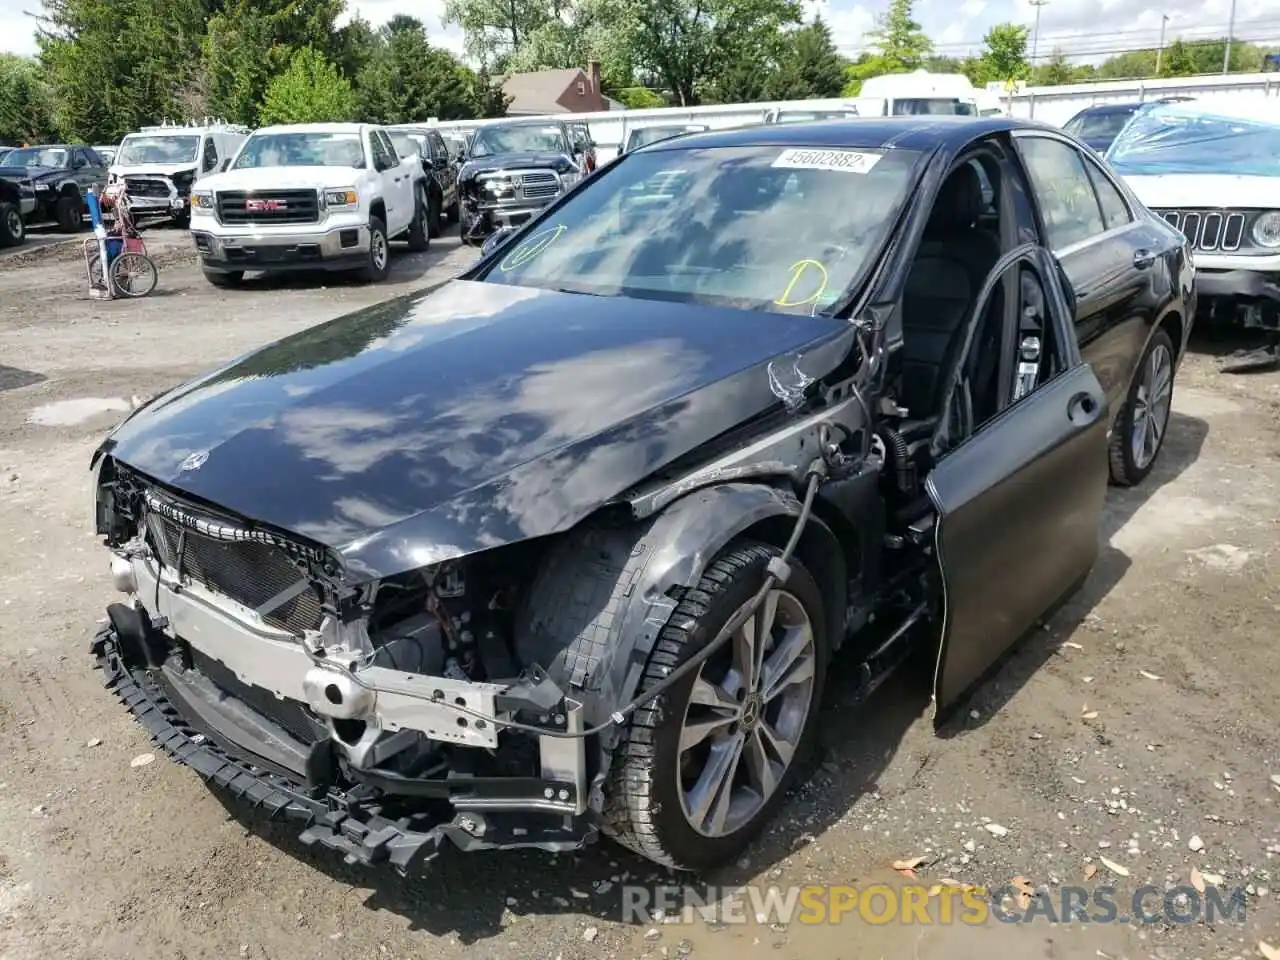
x=469 y=417
x=510 y=161
x=1183 y=190
x=27 y=173
x=152 y=169
x=268 y=178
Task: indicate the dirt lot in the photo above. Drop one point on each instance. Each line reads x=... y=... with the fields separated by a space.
x=1141 y=725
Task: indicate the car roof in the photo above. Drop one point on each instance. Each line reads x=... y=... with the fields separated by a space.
x=529 y=122
x=313 y=128
x=1126 y=107
x=905 y=133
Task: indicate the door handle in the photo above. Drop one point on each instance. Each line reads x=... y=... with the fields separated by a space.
x=1144 y=258
x=1081 y=409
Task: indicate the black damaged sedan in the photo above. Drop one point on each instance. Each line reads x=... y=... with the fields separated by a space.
x=563 y=547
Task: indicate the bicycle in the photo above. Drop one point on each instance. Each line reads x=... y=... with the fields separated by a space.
x=130 y=270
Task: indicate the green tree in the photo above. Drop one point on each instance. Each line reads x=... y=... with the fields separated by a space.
x=310 y=90
x=898 y=38
x=26 y=114
x=1056 y=71
x=1176 y=61
x=495 y=29
x=112 y=67
x=487 y=96
x=689 y=46
x=810 y=68
x=250 y=42
x=407 y=80
x=1004 y=53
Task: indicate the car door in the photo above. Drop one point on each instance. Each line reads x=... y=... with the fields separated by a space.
x=445 y=171
x=393 y=174
x=1109 y=253
x=1018 y=500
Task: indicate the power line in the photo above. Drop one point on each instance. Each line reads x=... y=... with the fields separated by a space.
x=1035 y=35
x=1204 y=32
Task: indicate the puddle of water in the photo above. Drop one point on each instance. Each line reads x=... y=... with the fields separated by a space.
x=855 y=938
x=66 y=413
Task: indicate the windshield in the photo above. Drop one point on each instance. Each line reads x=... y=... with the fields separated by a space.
x=1103 y=125
x=527 y=138
x=1178 y=139
x=408 y=144
x=37 y=157
x=788 y=230
x=301 y=150
x=165 y=148
x=933 y=107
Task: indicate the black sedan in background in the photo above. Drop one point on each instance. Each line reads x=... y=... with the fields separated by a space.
x=1099 y=125
x=565 y=546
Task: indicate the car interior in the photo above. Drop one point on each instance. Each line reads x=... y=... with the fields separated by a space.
x=962 y=362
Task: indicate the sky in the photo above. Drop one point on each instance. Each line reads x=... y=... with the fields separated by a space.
x=1084 y=29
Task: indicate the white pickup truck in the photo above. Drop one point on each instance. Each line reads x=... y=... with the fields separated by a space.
x=324 y=196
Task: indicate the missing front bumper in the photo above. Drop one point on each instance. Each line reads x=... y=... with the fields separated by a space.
x=364 y=822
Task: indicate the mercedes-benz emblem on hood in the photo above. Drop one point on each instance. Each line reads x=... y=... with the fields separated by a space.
x=194 y=462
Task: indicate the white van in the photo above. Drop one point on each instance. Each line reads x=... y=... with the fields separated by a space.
x=160 y=164
x=921 y=94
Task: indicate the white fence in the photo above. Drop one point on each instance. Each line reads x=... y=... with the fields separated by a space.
x=1059 y=104
x=1054 y=105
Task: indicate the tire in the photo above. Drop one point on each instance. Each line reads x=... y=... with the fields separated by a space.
x=451 y=211
x=379 y=264
x=435 y=225
x=420 y=234
x=182 y=221
x=12 y=230
x=67 y=213
x=468 y=241
x=645 y=799
x=1130 y=467
x=226 y=279
x=133 y=274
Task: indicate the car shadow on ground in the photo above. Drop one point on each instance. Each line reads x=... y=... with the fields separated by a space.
x=406 y=267
x=470 y=895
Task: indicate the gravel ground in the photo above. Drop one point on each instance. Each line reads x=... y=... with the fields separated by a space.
x=1139 y=726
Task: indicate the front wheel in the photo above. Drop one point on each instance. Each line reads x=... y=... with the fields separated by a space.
x=451 y=211
x=133 y=274
x=379 y=264
x=1140 y=428
x=703 y=768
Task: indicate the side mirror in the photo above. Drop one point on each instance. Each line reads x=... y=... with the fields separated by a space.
x=495 y=240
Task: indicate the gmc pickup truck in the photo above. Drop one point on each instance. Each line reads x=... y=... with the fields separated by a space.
x=322 y=196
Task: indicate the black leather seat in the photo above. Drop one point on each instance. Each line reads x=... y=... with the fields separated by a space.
x=954 y=259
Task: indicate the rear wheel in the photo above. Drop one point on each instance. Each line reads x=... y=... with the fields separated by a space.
x=434 y=226
x=12 y=230
x=133 y=274
x=1140 y=429
x=67 y=213
x=702 y=769
x=419 y=229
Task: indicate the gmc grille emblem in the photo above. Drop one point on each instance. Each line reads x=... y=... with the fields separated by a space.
x=264 y=206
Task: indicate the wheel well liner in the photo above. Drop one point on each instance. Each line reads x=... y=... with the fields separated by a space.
x=378 y=209
x=603 y=594
x=9 y=192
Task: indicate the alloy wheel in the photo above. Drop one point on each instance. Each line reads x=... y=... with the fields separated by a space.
x=13 y=223
x=1151 y=406
x=378 y=251
x=745 y=718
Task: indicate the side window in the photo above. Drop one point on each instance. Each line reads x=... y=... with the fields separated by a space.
x=210 y=161
x=1115 y=212
x=438 y=149
x=383 y=158
x=1061 y=184
x=78 y=160
x=393 y=155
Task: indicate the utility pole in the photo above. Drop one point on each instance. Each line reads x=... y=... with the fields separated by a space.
x=1035 y=33
x=1160 y=52
x=1231 y=32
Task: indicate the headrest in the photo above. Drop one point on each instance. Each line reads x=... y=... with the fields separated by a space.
x=959 y=203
